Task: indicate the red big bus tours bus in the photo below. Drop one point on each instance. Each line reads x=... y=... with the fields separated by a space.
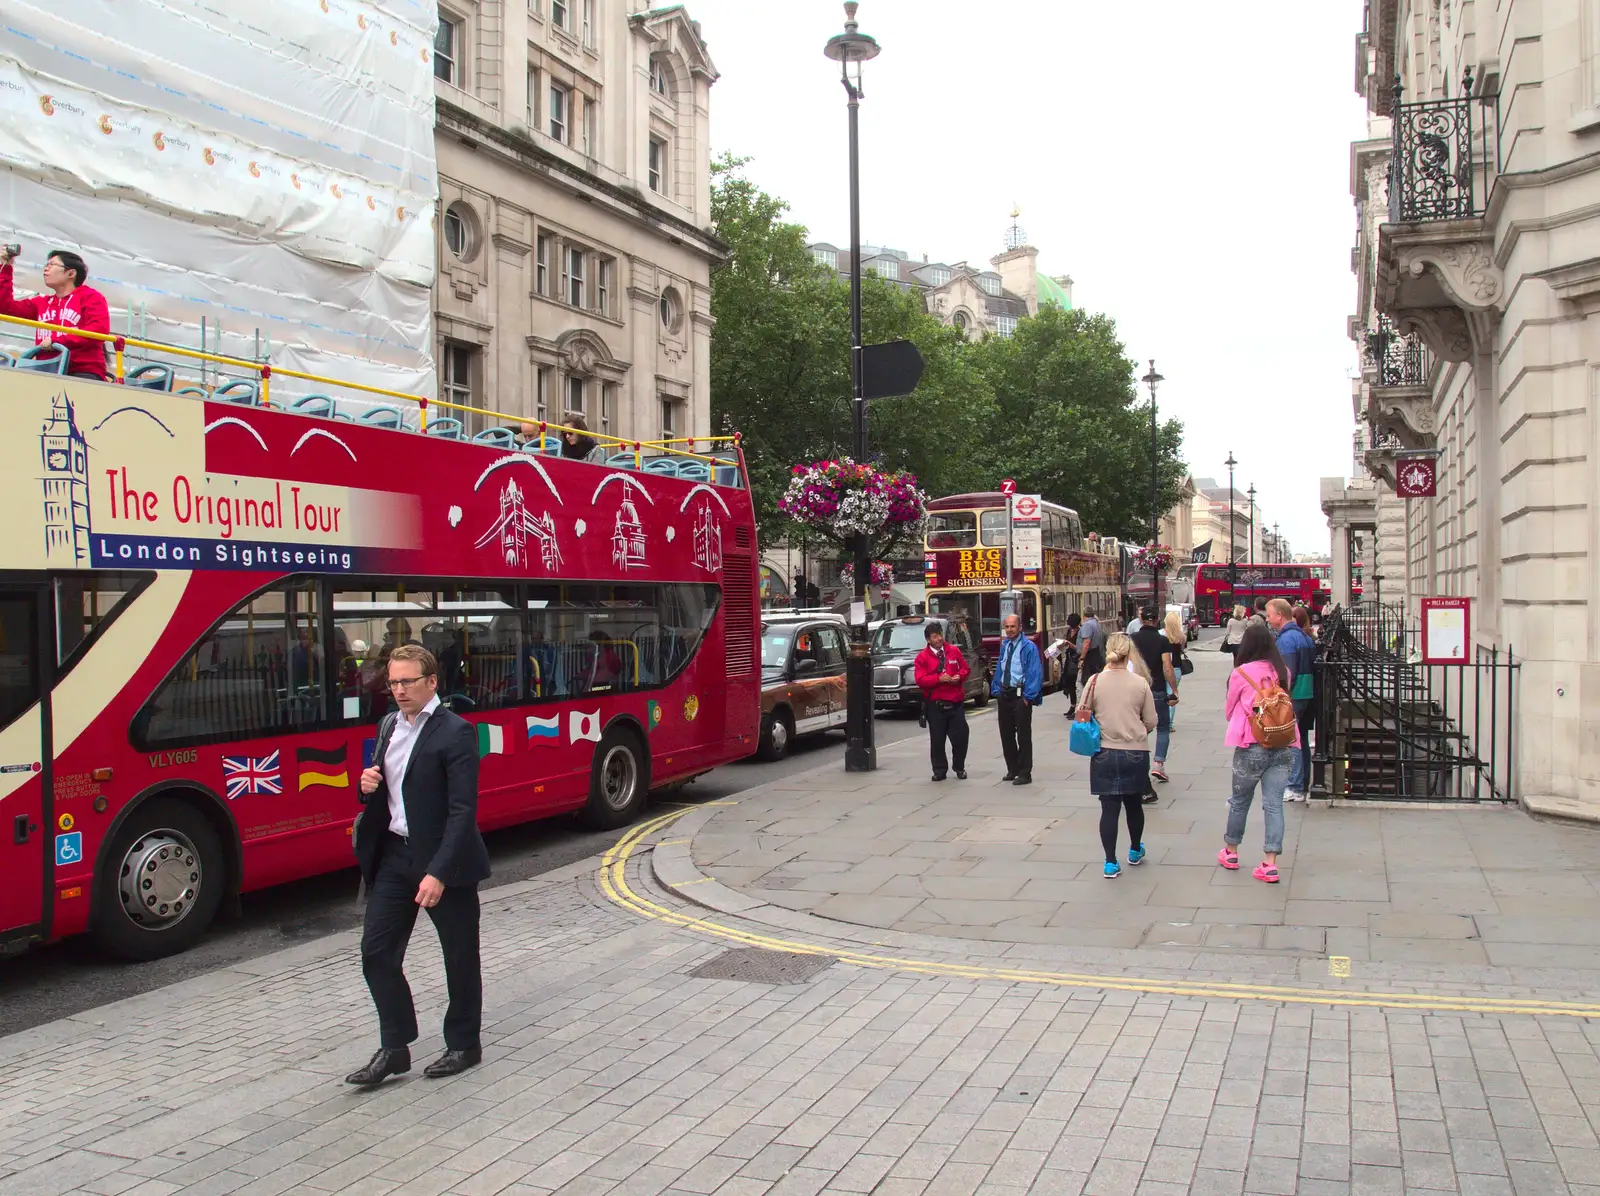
x=964 y=563
x=198 y=603
x=1215 y=597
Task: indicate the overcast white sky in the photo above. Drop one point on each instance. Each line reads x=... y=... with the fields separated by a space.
x=1187 y=164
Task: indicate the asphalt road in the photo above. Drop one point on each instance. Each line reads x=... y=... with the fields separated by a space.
x=69 y=977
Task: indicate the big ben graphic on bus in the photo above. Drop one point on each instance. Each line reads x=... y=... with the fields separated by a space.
x=65 y=456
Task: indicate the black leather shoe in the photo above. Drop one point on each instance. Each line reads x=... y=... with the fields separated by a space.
x=389 y=1061
x=961 y=774
x=938 y=776
x=1010 y=776
x=453 y=1063
x=1025 y=779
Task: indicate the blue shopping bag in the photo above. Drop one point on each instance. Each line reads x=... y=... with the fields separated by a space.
x=1084 y=739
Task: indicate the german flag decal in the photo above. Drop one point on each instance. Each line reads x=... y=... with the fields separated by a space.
x=323 y=767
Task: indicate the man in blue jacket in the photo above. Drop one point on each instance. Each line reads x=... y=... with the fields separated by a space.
x=1019 y=684
x=1299 y=652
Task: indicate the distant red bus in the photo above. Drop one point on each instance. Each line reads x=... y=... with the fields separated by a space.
x=1216 y=592
x=198 y=603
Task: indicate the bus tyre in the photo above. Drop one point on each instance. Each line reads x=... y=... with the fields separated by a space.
x=619 y=780
x=777 y=734
x=160 y=883
x=982 y=699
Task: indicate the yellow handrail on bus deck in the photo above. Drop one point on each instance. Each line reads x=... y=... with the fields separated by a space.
x=265 y=370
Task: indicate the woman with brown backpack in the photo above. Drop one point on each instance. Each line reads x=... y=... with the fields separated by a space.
x=1263 y=735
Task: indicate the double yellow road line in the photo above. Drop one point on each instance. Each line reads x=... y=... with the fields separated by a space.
x=614 y=882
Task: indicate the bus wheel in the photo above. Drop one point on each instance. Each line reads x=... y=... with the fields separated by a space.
x=982 y=699
x=619 y=781
x=777 y=733
x=161 y=883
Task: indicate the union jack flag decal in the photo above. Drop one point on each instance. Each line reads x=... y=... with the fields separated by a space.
x=247 y=775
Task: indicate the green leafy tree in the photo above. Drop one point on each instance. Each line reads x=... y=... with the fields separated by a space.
x=1069 y=425
x=780 y=358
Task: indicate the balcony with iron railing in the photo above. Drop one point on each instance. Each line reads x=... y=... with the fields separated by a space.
x=1435 y=270
x=1397 y=380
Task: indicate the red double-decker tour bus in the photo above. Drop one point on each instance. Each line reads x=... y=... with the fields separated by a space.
x=199 y=600
x=964 y=564
x=1215 y=594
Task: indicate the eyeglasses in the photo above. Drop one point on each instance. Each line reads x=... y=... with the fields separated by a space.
x=405 y=682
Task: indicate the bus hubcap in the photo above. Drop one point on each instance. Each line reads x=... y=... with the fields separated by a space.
x=618 y=777
x=160 y=879
x=780 y=735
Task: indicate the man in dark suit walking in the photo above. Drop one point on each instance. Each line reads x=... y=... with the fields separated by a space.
x=418 y=845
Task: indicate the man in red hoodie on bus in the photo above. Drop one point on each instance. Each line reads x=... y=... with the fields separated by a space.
x=69 y=304
x=941 y=672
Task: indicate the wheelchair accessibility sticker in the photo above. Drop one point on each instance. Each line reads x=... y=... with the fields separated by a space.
x=69 y=849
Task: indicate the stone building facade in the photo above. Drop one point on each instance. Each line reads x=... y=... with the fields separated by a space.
x=574 y=215
x=1478 y=329
x=971 y=298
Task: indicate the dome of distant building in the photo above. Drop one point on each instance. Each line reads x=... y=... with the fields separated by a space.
x=1051 y=291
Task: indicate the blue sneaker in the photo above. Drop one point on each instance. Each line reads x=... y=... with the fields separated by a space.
x=1136 y=855
x=1113 y=870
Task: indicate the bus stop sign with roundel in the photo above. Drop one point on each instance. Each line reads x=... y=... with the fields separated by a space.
x=1025 y=508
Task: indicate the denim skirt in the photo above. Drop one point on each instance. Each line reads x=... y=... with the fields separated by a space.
x=1117 y=772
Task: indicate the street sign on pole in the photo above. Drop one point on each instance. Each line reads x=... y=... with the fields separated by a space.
x=890 y=369
x=1026 y=508
x=1008 y=487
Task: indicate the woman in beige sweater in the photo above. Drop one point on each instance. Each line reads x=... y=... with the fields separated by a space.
x=1119 y=773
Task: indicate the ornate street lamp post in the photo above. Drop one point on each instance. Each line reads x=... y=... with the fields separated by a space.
x=1150 y=380
x=1233 y=540
x=850 y=49
x=1250 y=533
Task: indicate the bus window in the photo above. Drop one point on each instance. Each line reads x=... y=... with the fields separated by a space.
x=952 y=529
x=87 y=602
x=258 y=672
x=994 y=529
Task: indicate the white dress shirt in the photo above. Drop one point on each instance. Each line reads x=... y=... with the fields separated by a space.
x=396 y=758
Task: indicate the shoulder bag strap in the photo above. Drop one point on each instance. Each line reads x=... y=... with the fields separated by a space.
x=1088 y=697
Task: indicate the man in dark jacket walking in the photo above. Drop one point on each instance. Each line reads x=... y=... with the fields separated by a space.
x=418 y=845
x=942 y=673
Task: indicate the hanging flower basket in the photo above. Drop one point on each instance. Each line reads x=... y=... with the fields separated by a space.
x=882 y=574
x=840 y=499
x=1154 y=556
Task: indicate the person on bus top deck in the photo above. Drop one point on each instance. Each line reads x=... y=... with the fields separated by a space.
x=576 y=444
x=69 y=304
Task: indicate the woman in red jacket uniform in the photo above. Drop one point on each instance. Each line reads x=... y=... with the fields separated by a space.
x=941 y=673
x=69 y=304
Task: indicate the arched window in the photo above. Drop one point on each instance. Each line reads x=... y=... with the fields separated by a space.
x=660 y=82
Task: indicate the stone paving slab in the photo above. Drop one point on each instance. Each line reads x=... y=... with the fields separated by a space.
x=1484 y=885
x=609 y=1069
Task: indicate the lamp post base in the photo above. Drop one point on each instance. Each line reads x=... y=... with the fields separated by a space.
x=861 y=752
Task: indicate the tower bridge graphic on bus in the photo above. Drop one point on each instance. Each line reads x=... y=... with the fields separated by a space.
x=516 y=526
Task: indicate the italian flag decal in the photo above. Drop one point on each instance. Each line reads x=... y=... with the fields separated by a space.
x=491 y=740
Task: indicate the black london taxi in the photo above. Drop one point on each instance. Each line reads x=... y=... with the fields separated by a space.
x=802 y=678
x=894 y=649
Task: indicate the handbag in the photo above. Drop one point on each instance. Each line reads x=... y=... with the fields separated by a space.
x=1084 y=738
x=1185 y=665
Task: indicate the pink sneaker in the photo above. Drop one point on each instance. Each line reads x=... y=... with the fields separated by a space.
x=1228 y=859
x=1266 y=872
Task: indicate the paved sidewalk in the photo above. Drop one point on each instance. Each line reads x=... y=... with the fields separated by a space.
x=911 y=1063
x=982 y=859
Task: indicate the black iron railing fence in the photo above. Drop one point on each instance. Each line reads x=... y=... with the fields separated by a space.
x=1400 y=360
x=1389 y=727
x=1441 y=166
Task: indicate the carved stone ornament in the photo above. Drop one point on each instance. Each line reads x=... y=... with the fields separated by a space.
x=1465 y=269
x=1405 y=413
x=579 y=357
x=1444 y=329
